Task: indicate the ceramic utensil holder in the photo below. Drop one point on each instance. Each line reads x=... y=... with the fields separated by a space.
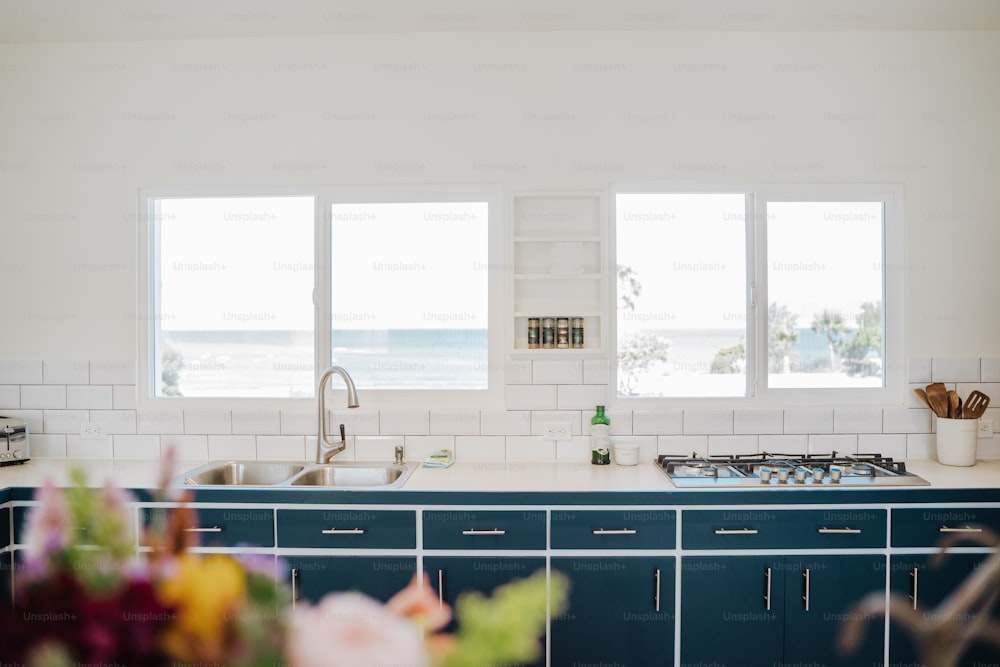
x=956 y=441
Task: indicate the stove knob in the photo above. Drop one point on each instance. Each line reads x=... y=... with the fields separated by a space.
x=800 y=475
x=835 y=474
x=782 y=475
x=818 y=475
x=765 y=475
x=18 y=454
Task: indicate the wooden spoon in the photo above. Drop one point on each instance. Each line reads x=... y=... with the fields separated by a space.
x=954 y=405
x=922 y=395
x=975 y=405
x=937 y=396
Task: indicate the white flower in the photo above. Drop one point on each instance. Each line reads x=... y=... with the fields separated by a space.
x=352 y=630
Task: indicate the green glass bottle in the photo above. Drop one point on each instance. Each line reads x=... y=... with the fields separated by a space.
x=600 y=438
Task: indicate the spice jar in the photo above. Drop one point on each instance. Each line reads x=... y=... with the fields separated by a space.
x=577 y=333
x=562 y=333
x=548 y=333
x=534 y=333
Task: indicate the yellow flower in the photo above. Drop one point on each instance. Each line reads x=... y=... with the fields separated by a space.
x=206 y=591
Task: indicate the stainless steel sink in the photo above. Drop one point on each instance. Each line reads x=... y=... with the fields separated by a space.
x=347 y=475
x=242 y=473
x=387 y=475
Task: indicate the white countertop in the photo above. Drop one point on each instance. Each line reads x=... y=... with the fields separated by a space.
x=474 y=476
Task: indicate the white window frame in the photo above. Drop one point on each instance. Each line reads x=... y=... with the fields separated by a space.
x=373 y=399
x=892 y=394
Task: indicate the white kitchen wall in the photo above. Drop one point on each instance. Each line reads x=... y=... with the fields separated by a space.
x=84 y=126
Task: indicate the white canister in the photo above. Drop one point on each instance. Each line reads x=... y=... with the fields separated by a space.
x=626 y=453
x=956 y=441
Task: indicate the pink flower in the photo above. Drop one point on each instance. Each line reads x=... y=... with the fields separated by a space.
x=352 y=630
x=48 y=528
x=419 y=603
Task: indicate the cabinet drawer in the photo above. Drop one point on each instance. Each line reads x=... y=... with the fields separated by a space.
x=783 y=529
x=925 y=527
x=224 y=527
x=614 y=529
x=4 y=526
x=486 y=529
x=347 y=529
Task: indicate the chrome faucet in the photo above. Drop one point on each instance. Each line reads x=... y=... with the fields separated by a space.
x=326 y=450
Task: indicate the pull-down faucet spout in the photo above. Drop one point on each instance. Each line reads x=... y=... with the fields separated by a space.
x=326 y=450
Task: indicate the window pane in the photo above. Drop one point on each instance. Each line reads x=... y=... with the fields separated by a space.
x=409 y=294
x=825 y=286
x=681 y=294
x=234 y=300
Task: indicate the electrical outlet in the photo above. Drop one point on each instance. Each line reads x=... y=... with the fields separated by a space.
x=92 y=431
x=985 y=428
x=556 y=431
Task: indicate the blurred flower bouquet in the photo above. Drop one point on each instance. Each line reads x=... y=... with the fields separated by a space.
x=86 y=595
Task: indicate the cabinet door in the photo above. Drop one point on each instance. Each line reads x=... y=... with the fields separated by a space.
x=913 y=575
x=381 y=577
x=731 y=610
x=451 y=576
x=621 y=611
x=820 y=593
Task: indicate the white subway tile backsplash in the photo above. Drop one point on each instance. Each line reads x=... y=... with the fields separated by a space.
x=115 y=422
x=208 y=422
x=89 y=448
x=112 y=372
x=419 y=447
x=159 y=421
x=43 y=397
x=957 y=369
x=65 y=372
x=186 y=447
x=283 y=448
x=501 y=422
x=136 y=447
x=10 y=397
x=62 y=421
x=903 y=420
x=256 y=422
x=595 y=371
x=808 y=420
x=557 y=371
x=454 y=422
x=518 y=372
x=581 y=396
x=415 y=422
x=79 y=397
x=797 y=444
x=541 y=419
x=480 y=448
x=730 y=445
x=824 y=444
x=123 y=397
x=708 y=422
x=47 y=446
x=747 y=422
x=665 y=422
x=989 y=369
x=21 y=372
x=857 y=420
x=574 y=449
x=531 y=397
x=299 y=422
x=920 y=446
x=890 y=444
x=530 y=448
x=380 y=448
x=232 y=447
x=682 y=445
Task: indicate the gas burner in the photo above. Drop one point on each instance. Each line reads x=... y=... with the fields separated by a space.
x=768 y=469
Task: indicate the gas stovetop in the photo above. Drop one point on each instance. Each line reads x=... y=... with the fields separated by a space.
x=766 y=470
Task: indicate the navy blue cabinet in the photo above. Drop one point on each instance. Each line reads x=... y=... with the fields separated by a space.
x=766 y=610
x=614 y=529
x=621 y=611
x=312 y=577
x=347 y=528
x=225 y=527
x=484 y=529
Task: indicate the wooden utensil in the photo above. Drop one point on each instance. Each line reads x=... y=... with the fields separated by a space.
x=922 y=395
x=937 y=396
x=975 y=405
x=954 y=405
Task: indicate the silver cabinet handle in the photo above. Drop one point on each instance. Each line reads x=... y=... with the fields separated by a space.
x=196 y=529
x=440 y=588
x=656 y=594
x=839 y=531
x=295 y=586
x=805 y=584
x=738 y=531
x=767 y=589
x=914 y=574
x=474 y=531
x=963 y=529
x=618 y=531
x=344 y=531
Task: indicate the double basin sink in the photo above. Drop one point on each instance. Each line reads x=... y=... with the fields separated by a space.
x=284 y=474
